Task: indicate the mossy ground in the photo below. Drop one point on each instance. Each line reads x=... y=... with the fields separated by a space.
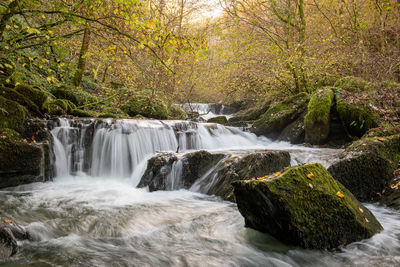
x=317 y=120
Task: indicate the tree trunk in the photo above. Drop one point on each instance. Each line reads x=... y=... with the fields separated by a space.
x=82 y=57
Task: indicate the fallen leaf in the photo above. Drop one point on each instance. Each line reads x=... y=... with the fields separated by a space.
x=278 y=173
x=366 y=220
x=311 y=186
x=8 y=221
x=381 y=139
x=339 y=194
x=310 y=175
x=361 y=210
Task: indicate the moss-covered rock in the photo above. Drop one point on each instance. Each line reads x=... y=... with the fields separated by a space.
x=317 y=120
x=353 y=84
x=113 y=113
x=251 y=114
x=37 y=96
x=294 y=132
x=68 y=93
x=146 y=106
x=21 y=161
x=366 y=167
x=280 y=115
x=305 y=206
x=176 y=112
x=384 y=129
x=12 y=114
x=65 y=104
x=7 y=68
x=218 y=119
x=80 y=113
x=357 y=119
x=11 y=94
x=210 y=173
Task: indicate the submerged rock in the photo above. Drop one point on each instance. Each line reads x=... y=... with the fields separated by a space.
x=10 y=232
x=305 y=206
x=366 y=167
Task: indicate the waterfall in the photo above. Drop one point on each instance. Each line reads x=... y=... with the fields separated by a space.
x=120 y=148
x=208 y=111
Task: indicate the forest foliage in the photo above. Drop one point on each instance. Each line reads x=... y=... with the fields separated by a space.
x=177 y=52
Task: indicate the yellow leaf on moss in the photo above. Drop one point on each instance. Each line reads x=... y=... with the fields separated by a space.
x=361 y=210
x=339 y=194
x=310 y=175
x=278 y=173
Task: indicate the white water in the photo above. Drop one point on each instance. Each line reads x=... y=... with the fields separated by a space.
x=92 y=214
x=206 y=111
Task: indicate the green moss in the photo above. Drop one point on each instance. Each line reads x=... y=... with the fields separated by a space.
x=384 y=129
x=81 y=113
x=55 y=109
x=65 y=104
x=11 y=94
x=317 y=120
x=353 y=84
x=146 y=106
x=12 y=114
x=176 y=112
x=65 y=92
x=37 y=96
x=113 y=113
x=303 y=210
x=281 y=114
x=218 y=119
x=357 y=119
x=8 y=138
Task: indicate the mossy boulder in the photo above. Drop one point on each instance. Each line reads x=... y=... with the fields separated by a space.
x=22 y=161
x=294 y=132
x=356 y=118
x=280 y=115
x=317 y=120
x=150 y=107
x=12 y=114
x=305 y=206
x=209 y=173
x=66 y=92
x=113 y=113
x=37 y=96
x=7 y=68
x=353 y=84
x=251 y=114
x=384 y=129
x=218 y=119
x=176 y=112
x=366 y=167
x=21 y=99
x=80 y=113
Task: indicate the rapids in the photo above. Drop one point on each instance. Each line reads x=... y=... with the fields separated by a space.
x=93 y=215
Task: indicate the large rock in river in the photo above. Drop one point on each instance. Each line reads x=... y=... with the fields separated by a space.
x=210 y=173
x=10 y=232
x=305 y=206
x=366 y=167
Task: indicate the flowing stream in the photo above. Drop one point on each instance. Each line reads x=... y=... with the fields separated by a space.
x=92 y=214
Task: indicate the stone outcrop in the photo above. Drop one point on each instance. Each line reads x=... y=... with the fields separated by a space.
x=304 y=206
